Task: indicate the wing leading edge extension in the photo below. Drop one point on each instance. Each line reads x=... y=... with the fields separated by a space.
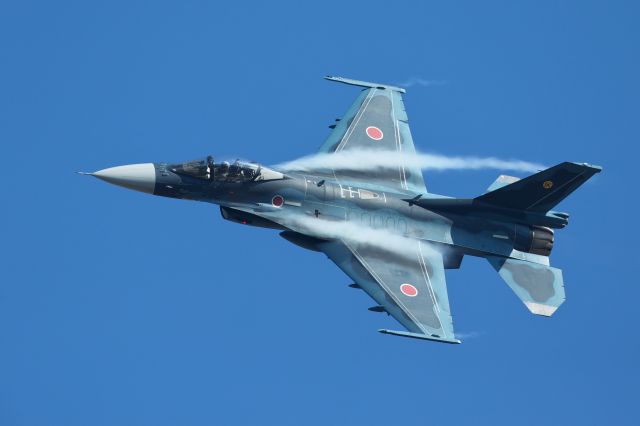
x=376 y=121
x=410 y=286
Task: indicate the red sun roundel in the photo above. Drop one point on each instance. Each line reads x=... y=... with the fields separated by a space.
x=409 y=290
x=277 y=201
x=374 y=133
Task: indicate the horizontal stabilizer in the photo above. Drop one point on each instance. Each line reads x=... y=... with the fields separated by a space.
x=503 y=180
x=540 y=287
x=540 y=192
x=419 y=336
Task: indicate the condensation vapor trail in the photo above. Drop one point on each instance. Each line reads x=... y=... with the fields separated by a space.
x=368 y=160
x=352 y=232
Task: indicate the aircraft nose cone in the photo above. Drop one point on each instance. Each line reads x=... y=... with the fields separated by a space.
x=139 y=177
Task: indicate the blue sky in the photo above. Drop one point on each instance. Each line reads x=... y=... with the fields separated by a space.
x=118 y=308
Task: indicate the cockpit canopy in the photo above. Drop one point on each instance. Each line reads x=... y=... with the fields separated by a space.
x=238 y=171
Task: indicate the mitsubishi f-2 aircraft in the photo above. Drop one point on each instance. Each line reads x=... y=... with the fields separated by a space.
x=382 y=227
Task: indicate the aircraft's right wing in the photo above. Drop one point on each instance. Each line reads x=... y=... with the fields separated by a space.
x=410 y=286
x=376 y=122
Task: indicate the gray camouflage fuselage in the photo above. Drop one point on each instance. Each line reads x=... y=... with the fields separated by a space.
x=306 y=196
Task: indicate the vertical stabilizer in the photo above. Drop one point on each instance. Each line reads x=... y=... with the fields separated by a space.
x=542 y=191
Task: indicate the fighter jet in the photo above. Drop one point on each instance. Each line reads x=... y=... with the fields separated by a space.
x=382 y=227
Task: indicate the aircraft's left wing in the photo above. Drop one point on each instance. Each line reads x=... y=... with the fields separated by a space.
x=409 y=286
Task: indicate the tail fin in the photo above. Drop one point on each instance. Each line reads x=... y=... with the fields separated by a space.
x=542 y=191
x=540 y=287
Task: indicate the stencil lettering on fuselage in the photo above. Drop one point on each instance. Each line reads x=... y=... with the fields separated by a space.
x=362 y=194
x=375 y=220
